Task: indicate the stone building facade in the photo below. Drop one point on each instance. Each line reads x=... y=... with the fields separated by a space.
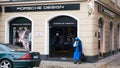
x=55 y=24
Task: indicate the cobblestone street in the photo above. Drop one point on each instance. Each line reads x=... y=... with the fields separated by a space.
x=109 y=62
x=115 y=63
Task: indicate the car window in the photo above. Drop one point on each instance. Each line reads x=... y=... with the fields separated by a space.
x=5 y=48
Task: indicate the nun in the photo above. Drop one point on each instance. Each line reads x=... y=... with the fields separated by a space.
x=78 y=50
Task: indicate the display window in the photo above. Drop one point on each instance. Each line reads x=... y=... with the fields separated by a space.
x=20 y=33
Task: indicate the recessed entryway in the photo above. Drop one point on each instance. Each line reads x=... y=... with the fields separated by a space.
x=63 y=30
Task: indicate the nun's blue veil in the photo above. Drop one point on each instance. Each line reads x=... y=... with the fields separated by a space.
x=77 y=39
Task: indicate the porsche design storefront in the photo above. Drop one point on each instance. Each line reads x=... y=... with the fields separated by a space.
x=59 y=31
x=50 y=28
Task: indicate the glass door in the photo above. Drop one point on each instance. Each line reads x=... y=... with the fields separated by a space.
x=61 y=41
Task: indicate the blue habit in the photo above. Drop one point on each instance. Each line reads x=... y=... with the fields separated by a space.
x=78 y=51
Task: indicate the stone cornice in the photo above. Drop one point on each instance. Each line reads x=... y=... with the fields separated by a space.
x=108 y=7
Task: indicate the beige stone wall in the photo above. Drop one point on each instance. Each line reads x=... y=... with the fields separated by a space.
x=1 y=29
x=86 y=28
x=107 y=21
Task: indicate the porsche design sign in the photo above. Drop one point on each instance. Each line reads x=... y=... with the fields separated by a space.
x=43 y=8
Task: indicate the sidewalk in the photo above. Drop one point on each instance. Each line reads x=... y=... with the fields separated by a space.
x=115 y=63
x=60 y=64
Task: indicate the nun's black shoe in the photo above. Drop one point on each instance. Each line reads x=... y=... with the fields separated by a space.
x=79 y=62
x=75 y=62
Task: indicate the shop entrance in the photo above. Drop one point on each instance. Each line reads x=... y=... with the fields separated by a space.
x=111 y=37
x=20 y=27
x=118 y=29
x=100 y=37
x=63 y=30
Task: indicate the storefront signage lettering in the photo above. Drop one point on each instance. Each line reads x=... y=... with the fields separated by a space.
x=109 y=12
x=39 y=8
x=106 y=11
x=43 y=8
x=19 y=24
x=63 y=23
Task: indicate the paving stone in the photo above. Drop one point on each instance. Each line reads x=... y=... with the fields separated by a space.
x=108 y=62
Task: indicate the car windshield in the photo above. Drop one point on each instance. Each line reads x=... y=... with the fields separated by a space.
x=5 y=48
x=10 y=47
x=15 y=48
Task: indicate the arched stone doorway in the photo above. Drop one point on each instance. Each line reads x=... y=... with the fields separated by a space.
x=118 y=30
x=63 y=30
x=112 y=37
x=100 y=36
x=19 y=27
